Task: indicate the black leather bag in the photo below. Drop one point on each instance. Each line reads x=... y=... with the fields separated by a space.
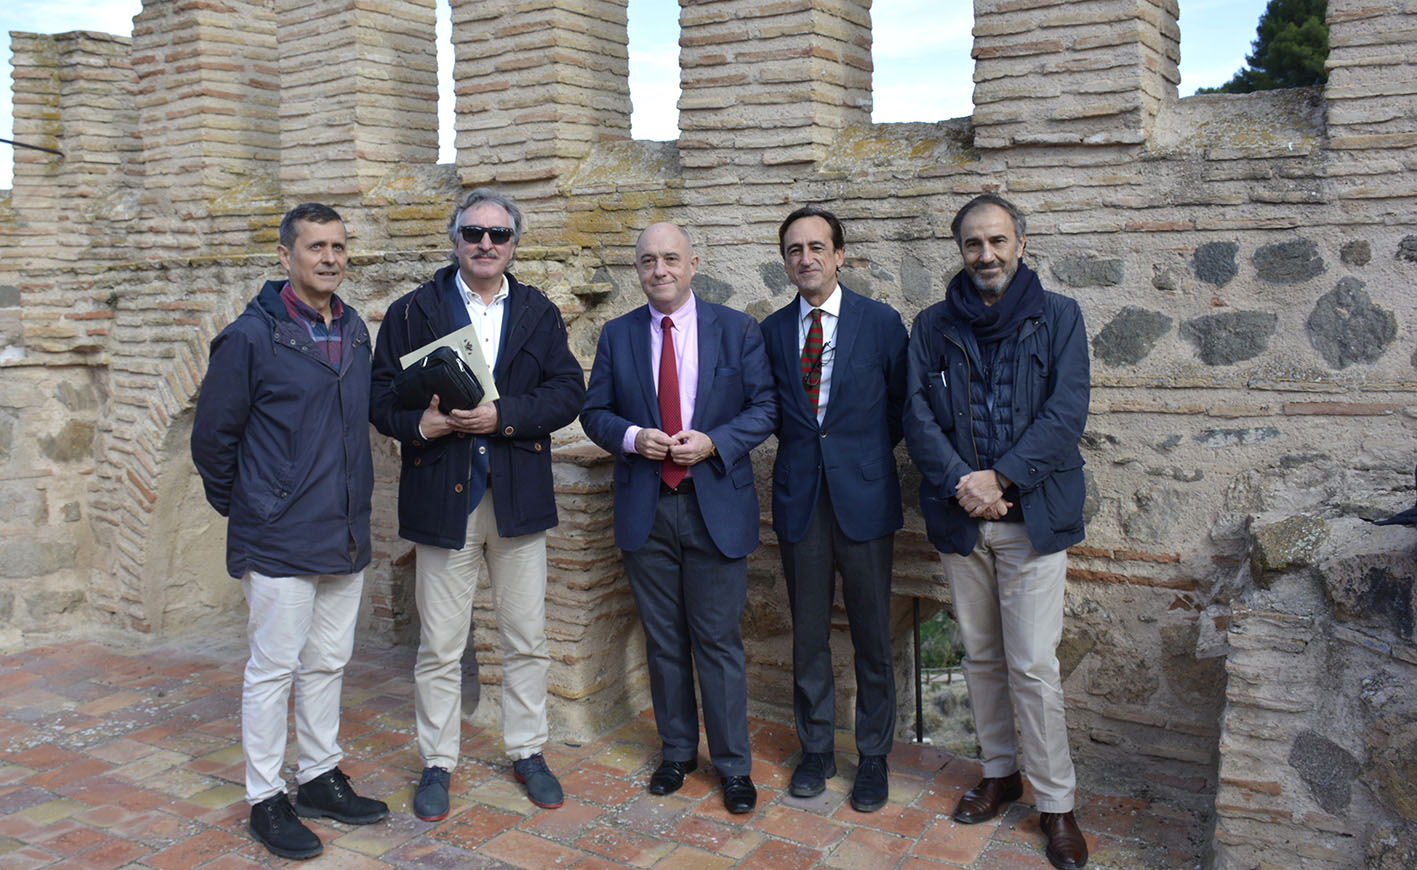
x=443 y=372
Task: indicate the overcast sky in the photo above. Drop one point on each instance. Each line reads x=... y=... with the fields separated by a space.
x=920 y=53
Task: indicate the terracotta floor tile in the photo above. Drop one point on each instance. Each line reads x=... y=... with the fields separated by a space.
x=776 y=743
x=520 y=849
x=68 y=837
x=476 y=826
x=777 y=855
x=624 y=847
x=45 y=757
x=919 y=759
x=194 y=851
x=690 y=858
x=866 y=849
x=893 y=818
x=599 y=788
x=945 y=840
x=108 y=855
x=27 y=857
x=75 y=772
x=735 y=841
x=801 y=827
x=565 y=823
x=426 y=854
x=1010 y=856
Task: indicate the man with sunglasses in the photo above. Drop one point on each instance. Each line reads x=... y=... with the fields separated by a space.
x=838 y=361
x=475 y=488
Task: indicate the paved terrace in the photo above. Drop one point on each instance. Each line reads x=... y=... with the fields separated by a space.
x=126 y=757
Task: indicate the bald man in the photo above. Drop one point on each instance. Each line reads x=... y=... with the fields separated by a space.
x=679 y=394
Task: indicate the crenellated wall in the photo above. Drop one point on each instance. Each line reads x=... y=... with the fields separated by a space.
x=1244 y=264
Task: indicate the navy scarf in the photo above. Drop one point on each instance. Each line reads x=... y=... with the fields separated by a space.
x=990 y=323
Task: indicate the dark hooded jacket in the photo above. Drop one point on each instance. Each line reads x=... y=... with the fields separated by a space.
x=281 y=440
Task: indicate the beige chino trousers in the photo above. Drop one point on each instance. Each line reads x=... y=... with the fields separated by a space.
x=447 y=581
x=1008 y=601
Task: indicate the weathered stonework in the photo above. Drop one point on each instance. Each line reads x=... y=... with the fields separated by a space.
x=1236 y=219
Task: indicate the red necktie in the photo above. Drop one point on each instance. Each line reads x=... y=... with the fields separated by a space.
x=669 y=417
x=811 y=363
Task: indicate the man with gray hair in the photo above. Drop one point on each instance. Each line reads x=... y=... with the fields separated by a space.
x=475 y=488
x=996 y=401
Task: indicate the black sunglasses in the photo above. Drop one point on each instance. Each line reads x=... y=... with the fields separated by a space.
x=472 y=234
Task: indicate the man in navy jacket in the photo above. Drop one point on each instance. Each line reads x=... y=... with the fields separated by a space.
x=679 y=394
x=997 y=402
x=476 y=486
x=281 y=440
x=838 y=360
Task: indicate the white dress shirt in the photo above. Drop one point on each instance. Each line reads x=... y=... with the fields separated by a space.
x=831 y=312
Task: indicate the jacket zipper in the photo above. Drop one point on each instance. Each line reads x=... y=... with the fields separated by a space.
x=969 y=405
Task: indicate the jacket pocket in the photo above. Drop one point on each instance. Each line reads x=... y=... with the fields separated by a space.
x=1062 y=493
x=937 y=395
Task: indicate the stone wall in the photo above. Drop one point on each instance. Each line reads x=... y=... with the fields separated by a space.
x=1243 y=263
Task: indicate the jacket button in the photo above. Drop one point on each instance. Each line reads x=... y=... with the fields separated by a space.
x=457 y=487
x=418 y=460
x=508 y=431
x=537 y=448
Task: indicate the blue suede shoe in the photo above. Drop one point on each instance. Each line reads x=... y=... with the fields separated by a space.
x=542 y=787
x=430 y=799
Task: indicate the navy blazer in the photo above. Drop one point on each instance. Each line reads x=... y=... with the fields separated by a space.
x=735 y=408
x=540 y=386
x=854 y=444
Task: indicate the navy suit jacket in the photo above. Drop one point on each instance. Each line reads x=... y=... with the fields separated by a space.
x=854 y=444
x=735 y=407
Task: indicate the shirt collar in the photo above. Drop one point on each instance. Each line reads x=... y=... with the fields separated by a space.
x=682 y=316
x=467 y=293
x=832 y=306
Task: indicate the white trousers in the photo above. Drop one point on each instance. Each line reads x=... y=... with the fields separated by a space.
x=301 y=631
x=1008 y=601
x=447 y=581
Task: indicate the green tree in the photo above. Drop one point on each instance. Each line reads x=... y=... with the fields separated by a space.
x=1290 y=47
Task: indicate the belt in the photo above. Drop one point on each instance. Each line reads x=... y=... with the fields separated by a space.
x=686 y=485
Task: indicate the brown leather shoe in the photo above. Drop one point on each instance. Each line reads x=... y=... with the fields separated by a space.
x=981 y=803
x=1067 y=848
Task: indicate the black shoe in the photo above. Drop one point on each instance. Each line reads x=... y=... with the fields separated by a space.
x=542 y=786
x=670 y=775
x=871 y=788
x=813 y=771
x=275 y=826
x=739 y=795
x=430 y=798
x=329 y=795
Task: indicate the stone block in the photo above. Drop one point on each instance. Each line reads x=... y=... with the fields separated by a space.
x=1231 y=337
x=1346 y=327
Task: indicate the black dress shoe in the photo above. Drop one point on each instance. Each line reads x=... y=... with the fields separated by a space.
x=1067 y=848
x=739 y=795
x=670 y=775
x=813 y=771
x=981 y=803
x=872 y=787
